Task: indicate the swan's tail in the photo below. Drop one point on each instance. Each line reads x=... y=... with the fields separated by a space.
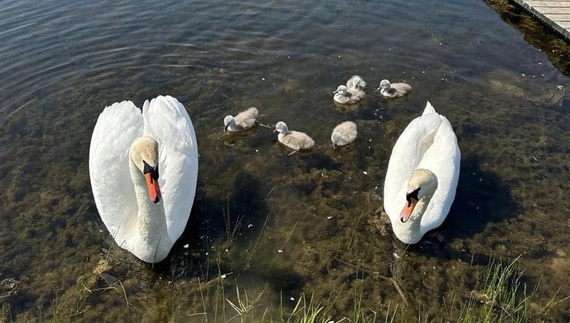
x=429 y=109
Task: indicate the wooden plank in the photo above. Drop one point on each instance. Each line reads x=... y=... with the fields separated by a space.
x=553 y=10
x=556 y=17
x=554 y=14
x=565 y=25
x=546 y=3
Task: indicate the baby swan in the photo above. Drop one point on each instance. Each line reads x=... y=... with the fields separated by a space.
x=293 y=139
x=344 y=134
x=394 y=90
x=244 y=120
x=343 y=96
x=355 y=83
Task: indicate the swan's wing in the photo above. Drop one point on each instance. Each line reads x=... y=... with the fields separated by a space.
x=407 y=153
x=116 y=129
x=168 y=122
x=403 y=161
x=443 y=159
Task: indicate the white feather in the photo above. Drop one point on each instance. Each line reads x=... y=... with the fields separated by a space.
x=166 y=120
x=428 y=142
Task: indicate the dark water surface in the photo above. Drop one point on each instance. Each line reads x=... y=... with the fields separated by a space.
x=270 y=225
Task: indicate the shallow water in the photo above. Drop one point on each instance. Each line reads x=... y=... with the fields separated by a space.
x=276 y=224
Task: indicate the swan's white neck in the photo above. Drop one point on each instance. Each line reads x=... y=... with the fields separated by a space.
x=410 y=231
x=152 y=243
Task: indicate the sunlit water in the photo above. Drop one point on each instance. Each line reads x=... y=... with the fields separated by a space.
x=264 y=221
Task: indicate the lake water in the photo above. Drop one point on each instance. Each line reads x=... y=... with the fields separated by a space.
x=267 y=226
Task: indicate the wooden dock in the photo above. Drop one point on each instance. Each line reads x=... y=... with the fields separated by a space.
x=555 y=14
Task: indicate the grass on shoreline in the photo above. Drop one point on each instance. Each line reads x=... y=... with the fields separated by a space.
x=500 y=296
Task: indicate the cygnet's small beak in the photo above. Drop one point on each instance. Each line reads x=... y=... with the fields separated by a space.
x=335 y=92
x=226 y=128
x=334 y=145
x=378 y=89
x=275 y=131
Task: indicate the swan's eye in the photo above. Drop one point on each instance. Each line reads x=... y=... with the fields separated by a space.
x=146 y=168
x=412 y=195
x=154 y=173
x=152 y=170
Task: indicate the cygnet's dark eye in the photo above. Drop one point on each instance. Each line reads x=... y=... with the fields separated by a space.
x=412 y=195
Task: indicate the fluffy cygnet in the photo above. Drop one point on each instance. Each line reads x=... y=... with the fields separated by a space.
x=293 y=139
x=343 y=96
x=394 y=90
x=244 y=120
x=344 y=134
x=355 y=83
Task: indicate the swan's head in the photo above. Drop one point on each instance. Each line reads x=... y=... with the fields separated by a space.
x=228 y=120
x=384 y=85
x=421 y=184
x=281 y=127
x=342 y=90
x=335 y=138
x=144 y=154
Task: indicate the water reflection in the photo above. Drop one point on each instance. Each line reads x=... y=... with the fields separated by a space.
x=535 y=33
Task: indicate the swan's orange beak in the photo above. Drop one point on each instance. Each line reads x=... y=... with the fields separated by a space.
x=408 y=209
x=153 y=188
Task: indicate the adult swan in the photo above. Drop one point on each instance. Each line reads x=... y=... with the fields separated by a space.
x=422 y=176
x=143 y=170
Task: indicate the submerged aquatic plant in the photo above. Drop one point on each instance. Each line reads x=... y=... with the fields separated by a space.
x=309 y=312
x=502 y=296
x=244 y=307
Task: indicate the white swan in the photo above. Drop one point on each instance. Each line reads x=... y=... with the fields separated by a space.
x=344 y=133
x=143 y=170
x=422 y=176
x=393 y=90
x=343 y=96
x=293 y=139
x=244 y=120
